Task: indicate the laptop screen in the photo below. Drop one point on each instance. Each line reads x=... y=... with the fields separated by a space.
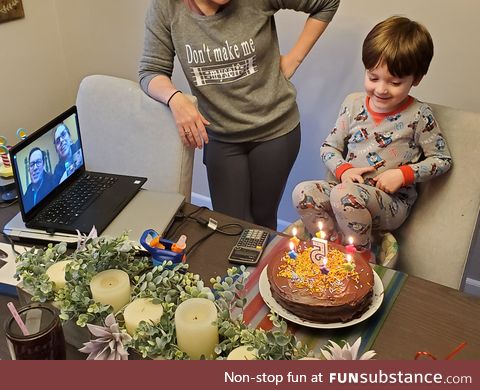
x=47 y=158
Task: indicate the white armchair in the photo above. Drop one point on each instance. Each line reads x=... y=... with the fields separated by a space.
x=124 y=131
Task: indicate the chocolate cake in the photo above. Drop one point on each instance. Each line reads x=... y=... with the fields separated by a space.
x=336 y=290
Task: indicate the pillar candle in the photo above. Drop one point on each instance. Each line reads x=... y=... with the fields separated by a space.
x=244 y=352
x=196 y=333
x=141 y=309
x=56 y=273
x=111 y=287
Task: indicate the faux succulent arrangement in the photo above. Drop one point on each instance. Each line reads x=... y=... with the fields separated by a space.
x=168 y=285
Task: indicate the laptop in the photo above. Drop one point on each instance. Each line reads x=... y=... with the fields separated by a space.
x=56 y=192
x=147 y=210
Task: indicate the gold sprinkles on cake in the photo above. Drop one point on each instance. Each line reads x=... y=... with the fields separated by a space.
x=305 y=274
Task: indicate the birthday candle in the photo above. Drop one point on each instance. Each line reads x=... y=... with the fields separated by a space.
x=320 y=233
x=295 y=239
x=293 y=255
x=350 y=248
x=324 y=267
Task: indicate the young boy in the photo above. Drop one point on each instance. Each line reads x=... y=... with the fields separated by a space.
x=384 y=142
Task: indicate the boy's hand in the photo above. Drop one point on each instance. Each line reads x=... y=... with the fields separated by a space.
x=389 y=181
x=355 y=175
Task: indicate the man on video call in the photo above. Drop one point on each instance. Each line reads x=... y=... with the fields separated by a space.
x=69 y=154
x=41 y=182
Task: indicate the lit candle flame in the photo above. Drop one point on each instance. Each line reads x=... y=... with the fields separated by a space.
x=292 y=245
x=294 y=232
x=349 y=258
x=350 y=240
x=320 y=226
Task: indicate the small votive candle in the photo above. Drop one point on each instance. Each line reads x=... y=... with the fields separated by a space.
x=350 y=248
x=293 y=255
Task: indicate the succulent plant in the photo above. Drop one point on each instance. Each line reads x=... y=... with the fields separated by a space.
x=333 y=351
x=110 y=341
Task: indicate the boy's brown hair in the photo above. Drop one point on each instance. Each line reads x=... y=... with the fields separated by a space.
x=405 y=46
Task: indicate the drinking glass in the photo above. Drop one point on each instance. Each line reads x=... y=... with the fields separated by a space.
x=45 y=340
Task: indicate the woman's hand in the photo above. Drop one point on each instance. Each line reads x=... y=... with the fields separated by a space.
x=288 y=65
x=190 y=122
x=355 y=175
x=389 y=181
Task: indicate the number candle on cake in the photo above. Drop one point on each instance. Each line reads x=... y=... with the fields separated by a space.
x=111 y=287
x=141 y=309
x=244 y=352
x=319 y=241
x=56 y=273
x=197 y=334
x=350 y=248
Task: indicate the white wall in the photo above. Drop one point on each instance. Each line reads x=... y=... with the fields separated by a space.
x=101 y=36
x=34 y=82
x=334 y=67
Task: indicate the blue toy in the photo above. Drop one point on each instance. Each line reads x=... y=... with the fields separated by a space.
x=160 y=256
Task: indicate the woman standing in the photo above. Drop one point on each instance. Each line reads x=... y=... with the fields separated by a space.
x=247 y=116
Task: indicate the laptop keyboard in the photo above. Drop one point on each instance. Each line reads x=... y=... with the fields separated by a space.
x=73 y=201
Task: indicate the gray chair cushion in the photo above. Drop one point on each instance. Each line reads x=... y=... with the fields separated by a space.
x=436 y=239
x=126 y=132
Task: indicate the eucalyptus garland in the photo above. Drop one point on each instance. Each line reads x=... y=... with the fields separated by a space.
x=168 y=285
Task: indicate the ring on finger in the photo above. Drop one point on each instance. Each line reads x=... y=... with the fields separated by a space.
x=187 y=132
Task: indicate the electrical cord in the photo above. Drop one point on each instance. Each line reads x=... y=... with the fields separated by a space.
x=8 y=204
x=220 y=229
x=185 y=218
x=11 y=244
x=229 y=229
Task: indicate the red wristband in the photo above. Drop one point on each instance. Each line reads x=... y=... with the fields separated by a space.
x=341 y=169
x=408 y=175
